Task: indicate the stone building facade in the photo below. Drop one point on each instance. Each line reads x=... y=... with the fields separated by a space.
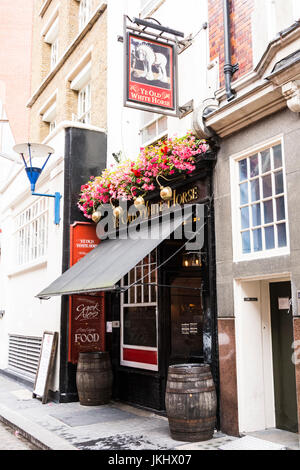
x=256 y=214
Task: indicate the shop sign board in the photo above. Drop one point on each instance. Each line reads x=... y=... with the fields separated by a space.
x=87 y=327
x=150 y=75
x=45 y=367
x=86 y=312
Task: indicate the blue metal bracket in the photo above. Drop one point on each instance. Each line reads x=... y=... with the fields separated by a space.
x=57 y=197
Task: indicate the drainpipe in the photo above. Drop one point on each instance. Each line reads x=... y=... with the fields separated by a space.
x=229 y=69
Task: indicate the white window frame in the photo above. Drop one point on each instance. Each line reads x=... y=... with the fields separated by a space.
x=238 y=254
x=85 y=10
x=133 y=303
x=52 y=126
x=84 y=104
x=31 y=224
x=54 y=54
x=158 y=135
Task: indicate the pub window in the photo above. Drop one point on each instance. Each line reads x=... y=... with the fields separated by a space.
x=31 y=233
x=139 y=315
x=262 y=208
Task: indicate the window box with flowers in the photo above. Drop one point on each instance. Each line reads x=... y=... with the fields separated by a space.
x=130 y=180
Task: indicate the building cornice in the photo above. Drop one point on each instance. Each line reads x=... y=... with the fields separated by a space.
x=261 y=92
x=94 y=18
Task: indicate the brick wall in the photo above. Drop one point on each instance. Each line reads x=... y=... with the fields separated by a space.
x=241 y=34
x=67 y=98
x=16 y=19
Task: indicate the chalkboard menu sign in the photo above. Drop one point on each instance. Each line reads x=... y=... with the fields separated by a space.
x=45 y=367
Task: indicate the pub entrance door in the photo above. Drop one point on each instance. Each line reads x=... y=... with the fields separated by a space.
x=186 y=320
x=284 y=368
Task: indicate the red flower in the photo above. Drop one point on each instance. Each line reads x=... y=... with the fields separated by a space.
x=137 y=173
x=165 y=150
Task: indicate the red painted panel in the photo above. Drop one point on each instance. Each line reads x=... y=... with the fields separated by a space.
x=140 y=355
x=83 y=239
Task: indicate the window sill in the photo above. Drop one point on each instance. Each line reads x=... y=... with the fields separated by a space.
x=262 y=255
x=39 y=264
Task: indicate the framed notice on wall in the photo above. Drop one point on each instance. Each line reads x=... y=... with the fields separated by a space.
x=150 y=75
x=46 y=364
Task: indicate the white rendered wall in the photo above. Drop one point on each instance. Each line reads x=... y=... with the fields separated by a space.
x=24 y=313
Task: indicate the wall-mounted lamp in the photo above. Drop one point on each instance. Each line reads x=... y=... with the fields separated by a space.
x=191 y=259
x=28 y=152
x=2 y=312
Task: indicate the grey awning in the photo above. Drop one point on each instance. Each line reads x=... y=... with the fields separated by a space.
x=105 y=265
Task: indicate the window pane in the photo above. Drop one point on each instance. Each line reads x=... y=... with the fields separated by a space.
x=244 y=193
x=269 y=237
x=267 y=186
x=243 y=169
x=246 y=242
x=255 y=193
x=279 y=182
x=257 y=240
x=254 y=166
x=265 y=161
x=280 y=208
x=256 y=215
x=268 y=212
x=277 y=156
x=245 y=217
x=140 y=326
x=162 y=125
x=281 y=232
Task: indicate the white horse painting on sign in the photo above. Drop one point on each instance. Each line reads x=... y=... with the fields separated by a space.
x=150 y=63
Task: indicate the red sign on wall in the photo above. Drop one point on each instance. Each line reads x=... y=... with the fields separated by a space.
x=87 y=312
x=83 y=240
x=87 y=331
x=151 y=75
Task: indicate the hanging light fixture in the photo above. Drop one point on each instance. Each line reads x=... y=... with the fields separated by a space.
x=117 y=210
x=139 y=201
x=192 y=259
x=96 y=216
x=28 y=152
x=166 y=192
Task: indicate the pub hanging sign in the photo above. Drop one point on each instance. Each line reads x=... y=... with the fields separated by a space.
x=150 y=73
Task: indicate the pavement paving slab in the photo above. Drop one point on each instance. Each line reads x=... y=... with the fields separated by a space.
x=116 y=426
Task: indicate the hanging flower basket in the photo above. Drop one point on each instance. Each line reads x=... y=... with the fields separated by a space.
x=130 y=179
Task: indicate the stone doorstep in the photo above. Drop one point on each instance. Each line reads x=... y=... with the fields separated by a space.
x=34 y=433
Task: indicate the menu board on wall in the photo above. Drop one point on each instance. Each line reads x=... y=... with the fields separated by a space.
x=86 y=312
x=45 y=367
x=87 y=325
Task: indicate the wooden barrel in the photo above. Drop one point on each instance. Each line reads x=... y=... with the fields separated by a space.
x=94 y=378
x=191 y=402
